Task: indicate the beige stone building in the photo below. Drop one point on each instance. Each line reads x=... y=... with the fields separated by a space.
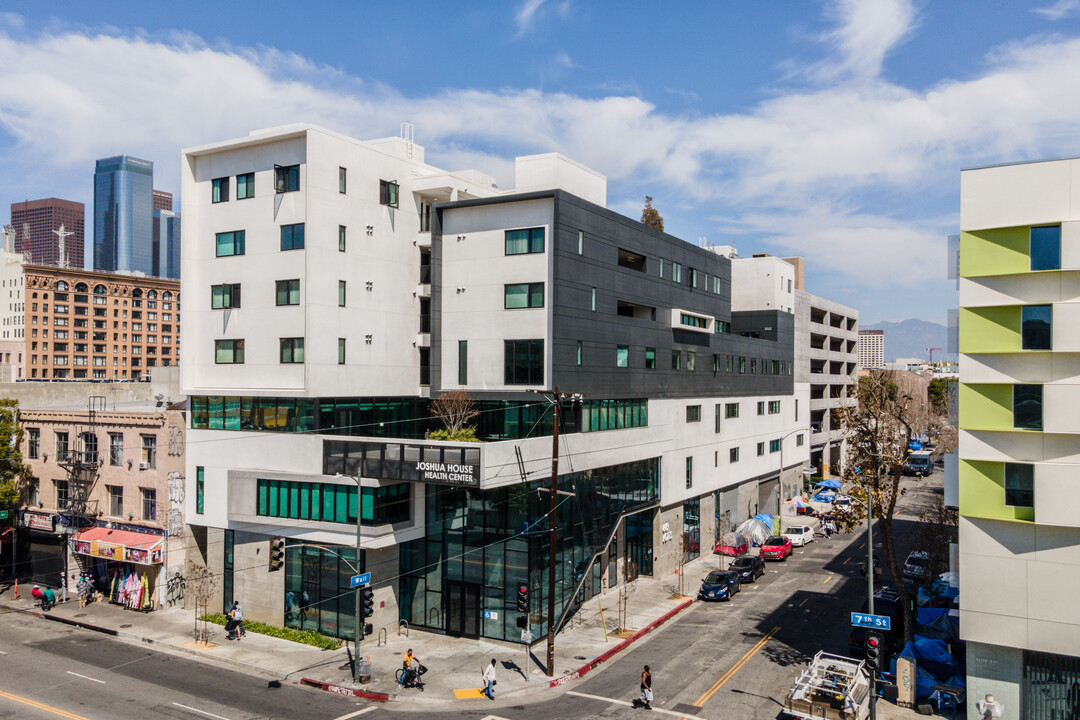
x=134 y=509
x=74 y=324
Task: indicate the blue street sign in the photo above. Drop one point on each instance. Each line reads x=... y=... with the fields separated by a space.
x=359 y=580
x=874 y=622
x=491 y=615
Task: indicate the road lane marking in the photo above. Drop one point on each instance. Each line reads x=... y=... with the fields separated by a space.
x=41 y=706
x=2 y=652
x=84 y=677
x=826 y=580
x=845 y=561
x=803 y=602
x=736 y=667
x=357 y=713
x=201 y=712
x=655 y=709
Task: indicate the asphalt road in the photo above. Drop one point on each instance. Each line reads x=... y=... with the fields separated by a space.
x=717 y=660
x=48 y=670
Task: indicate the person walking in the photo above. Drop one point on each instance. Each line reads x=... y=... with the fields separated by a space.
x=489 y=680
x=237 y=615
x=646 y=688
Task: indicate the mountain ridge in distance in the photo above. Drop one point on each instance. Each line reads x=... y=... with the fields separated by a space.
x=911 y=337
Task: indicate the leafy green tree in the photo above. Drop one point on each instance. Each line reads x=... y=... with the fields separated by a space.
x=651 y=216
x=939 y=396
x=13 y=472
x=887 y=417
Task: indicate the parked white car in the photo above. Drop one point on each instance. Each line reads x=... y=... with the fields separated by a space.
x=799 y=534
x=917 y=566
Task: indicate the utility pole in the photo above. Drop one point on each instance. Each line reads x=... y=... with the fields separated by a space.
x=553 y=539
x=556 y=397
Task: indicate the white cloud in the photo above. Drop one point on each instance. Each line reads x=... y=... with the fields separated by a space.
x=1058 y=10
x=527 y=14
x=857 y=164
x=866 y=31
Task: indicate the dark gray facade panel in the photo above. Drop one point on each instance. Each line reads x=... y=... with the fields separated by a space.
x=603 y=331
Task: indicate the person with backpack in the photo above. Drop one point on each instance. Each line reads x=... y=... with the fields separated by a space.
x=646 y=688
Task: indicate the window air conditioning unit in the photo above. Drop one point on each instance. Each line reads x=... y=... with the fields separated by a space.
x=144 y=466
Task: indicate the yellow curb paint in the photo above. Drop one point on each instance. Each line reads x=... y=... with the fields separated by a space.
x=469 y=694
x=826 y=580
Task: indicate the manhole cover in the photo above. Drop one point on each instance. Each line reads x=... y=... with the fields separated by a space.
x=126 y=626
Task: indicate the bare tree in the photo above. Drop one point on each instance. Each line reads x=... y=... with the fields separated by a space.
x=887 y=417
x=455 y=409
x=203 y=585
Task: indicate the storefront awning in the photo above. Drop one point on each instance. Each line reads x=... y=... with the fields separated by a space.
x=119 y=545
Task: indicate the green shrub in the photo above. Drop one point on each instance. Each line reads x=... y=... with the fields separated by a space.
x=465 y=434
x=306 y=637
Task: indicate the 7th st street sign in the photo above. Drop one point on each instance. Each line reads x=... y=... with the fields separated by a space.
x=873 y=622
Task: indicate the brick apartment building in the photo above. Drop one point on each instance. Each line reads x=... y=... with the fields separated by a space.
x=35 y=223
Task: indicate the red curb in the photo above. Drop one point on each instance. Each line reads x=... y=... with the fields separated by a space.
x=621 y=646
x=328 y=687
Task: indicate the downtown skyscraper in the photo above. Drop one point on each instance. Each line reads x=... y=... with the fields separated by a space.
x=123 y=220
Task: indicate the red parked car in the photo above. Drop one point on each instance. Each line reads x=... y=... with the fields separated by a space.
x=777 y=548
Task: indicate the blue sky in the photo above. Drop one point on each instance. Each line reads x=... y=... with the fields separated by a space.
x=832 y=130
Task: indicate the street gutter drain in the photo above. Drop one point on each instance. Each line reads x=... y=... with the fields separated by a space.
x=126 y=626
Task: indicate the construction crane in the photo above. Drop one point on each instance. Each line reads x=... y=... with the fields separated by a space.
x=931 y=351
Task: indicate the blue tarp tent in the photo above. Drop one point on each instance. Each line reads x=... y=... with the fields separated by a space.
x=825 y=496
x=765 y=518
x=830 y=483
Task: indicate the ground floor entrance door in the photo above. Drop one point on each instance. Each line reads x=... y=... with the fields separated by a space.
x=462 y=609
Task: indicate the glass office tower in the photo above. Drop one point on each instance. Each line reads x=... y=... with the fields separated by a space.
x=123 y=223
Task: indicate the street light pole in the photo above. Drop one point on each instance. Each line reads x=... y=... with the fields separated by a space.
x=869 y=506
x=358 y=633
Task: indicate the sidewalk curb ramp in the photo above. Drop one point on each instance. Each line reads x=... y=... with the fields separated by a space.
x=340 y=690
x=599 y=659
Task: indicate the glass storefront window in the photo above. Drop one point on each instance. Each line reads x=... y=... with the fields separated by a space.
x=317 y=592
x=481 y=545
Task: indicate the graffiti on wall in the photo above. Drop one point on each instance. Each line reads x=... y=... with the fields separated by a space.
x=174 y=587
x=176 y=441
x=175 y=516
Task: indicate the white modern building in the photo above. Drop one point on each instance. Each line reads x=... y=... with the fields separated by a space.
x=338 y=286
x=871 y=347
x=826 y=336
x=1019 y=443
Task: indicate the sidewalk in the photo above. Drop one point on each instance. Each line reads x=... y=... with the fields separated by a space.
x=455 y=664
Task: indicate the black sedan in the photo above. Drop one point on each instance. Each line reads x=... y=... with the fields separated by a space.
x=720 y=585
x=749 y=567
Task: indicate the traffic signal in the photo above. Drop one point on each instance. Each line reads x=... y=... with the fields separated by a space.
x=277 y=553
x=523 y=622
x=367 y=595
x=523 y=598
x=873 y=651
